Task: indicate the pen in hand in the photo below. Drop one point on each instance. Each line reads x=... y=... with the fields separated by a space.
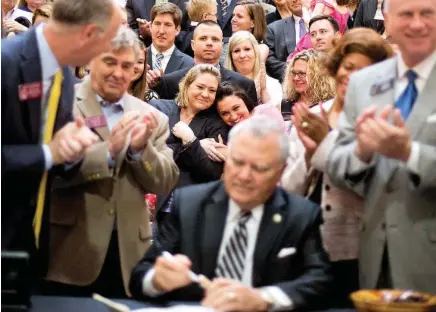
x=202 y=280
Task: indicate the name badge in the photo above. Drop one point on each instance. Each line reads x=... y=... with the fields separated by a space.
x=30 y=91
x=382 y=87
x=95 y=122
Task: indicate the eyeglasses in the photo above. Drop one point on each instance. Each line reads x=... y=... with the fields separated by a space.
x=300 y=75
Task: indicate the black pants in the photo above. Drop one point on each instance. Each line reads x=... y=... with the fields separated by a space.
x=345 y=281
x=109 y=283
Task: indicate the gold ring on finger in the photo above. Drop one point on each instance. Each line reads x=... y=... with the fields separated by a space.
x=304 y=124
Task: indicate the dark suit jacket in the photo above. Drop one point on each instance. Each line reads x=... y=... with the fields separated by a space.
x=194 y=164
x=183 y=41
x=177 y=61
x=272 y=17
x=168 y=86
x=23 y=162
x=196 y=226
x=365 y=16
x=226 y=21
x=280 y=49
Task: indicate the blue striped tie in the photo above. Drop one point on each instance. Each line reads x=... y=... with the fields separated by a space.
x=158 y=62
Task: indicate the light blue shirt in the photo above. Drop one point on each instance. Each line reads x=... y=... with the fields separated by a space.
x=113 y=113
x=49 y=67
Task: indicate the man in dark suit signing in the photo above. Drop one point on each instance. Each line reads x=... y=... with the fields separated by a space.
x=259 y=245
x=38 y=138
x=162 y=54
x=207 y=45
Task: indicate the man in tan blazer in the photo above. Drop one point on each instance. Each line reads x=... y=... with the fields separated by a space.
x=99 y=226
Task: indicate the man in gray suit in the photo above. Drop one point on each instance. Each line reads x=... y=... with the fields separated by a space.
x=387 y=153
x=290 y=29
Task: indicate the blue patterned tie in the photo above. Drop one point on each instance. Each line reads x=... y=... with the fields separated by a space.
x=408 y=97
x=158 y=62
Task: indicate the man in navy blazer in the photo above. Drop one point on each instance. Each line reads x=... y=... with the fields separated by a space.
x=166 y=19
x=29 y=63
x=259 y=246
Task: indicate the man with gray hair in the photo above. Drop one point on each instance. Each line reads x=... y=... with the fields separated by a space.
x=99 y=226
x=257 y=246
x=386 y=152
x=38 y=135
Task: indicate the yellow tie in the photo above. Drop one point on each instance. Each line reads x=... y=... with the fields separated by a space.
x=53 y=104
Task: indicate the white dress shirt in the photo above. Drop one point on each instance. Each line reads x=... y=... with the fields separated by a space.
x=280 y=300
x=423 y=71
x=166 y=56
x=16 y=12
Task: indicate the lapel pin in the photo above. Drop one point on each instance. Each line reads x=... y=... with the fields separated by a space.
x=277 y=218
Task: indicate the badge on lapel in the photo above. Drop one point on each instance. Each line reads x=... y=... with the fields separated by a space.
x=30 y=91
x=95 y=122
x=382 y=87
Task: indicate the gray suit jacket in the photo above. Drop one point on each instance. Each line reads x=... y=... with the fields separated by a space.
x=178 y=60
x=280 y=49
x=400 y=208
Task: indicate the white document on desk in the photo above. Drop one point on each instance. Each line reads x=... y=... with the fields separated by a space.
x=180 y=308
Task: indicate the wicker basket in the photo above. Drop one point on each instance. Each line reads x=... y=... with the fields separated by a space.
x=384 y=301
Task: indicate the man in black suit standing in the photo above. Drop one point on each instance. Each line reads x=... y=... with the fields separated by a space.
x=139 y=15
x=207 y=45
x=39 y=139
x=162 y=55
x=259 y=245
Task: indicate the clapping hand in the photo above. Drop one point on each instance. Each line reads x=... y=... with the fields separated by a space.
x=311 y=128
x=118 y=135
x=70 y=143
x=144 y=27
x=14 y=27
x=153 y=76
x=183 y=132
x=142 y=131
x=378 y=135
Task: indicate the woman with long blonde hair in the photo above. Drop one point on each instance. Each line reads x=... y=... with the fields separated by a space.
x=244 y=58
x=306 y=81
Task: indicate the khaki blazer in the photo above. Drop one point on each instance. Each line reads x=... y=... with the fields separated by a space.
x=85 y=210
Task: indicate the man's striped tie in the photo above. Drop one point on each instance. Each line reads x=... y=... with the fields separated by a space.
x=231 y=264
x=158 y=62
